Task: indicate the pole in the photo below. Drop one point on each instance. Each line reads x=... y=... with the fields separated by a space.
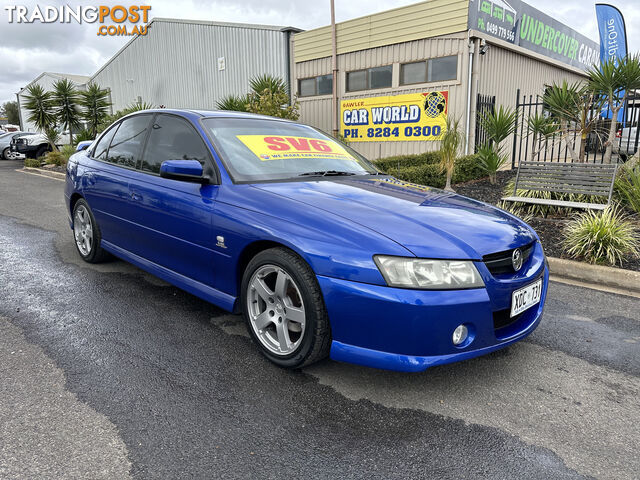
x=334 y=67
x=468 y=122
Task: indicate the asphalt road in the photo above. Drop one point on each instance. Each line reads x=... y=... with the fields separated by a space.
x=108 y=372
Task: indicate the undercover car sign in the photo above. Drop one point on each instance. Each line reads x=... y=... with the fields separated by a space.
x=270 y=147
x=410 y=117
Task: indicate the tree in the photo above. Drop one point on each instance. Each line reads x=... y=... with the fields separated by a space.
x=498 y=125
x=571 y=106
x=235 y=103
x=10 y=110
x=268 y=96
x=542 y=128
x=39 y=104
x=95 y=107
x=66 y=102
x=614 y=79
x=450 y=142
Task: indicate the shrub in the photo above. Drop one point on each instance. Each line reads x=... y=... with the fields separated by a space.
x=55 y=158
x=425 y=169
x=490 y=161
x=400 y=161
x=32 y=162
x=82 y=136
x=599 y=237
x=627 y=187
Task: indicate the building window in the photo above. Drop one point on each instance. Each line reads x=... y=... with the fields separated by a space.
x=321 y=85
x=443 y=68
x=377 y=77
x=432 y=70
x=413 y=73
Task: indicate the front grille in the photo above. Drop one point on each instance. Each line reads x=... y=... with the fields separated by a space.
x=500 y=263
x=502 y=318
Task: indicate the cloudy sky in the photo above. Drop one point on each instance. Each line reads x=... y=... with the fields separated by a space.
x=26 y=50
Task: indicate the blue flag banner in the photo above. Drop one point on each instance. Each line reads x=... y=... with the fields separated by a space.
x=613 y=40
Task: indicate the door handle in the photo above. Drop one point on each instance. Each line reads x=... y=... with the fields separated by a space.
x=136 y=197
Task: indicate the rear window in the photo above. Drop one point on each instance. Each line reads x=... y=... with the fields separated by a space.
x=259 y=150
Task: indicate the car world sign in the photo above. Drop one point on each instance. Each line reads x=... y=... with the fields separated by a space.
x=410 y=117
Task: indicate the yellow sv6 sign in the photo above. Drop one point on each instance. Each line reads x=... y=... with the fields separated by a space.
x=410 y=117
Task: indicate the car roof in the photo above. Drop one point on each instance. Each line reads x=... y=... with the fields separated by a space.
x=211 y=113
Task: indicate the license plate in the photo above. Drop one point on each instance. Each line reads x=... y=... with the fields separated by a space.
x=526 y=297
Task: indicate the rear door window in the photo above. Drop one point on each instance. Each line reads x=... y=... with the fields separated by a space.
x=172 y=138
x=100 y=152
x=126 y=147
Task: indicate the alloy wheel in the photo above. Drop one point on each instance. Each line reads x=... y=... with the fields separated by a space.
x=83 y=230
x=276 y=309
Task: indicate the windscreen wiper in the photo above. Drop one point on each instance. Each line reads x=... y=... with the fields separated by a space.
x=326 y=173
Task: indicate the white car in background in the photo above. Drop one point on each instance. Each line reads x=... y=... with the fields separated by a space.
x=627 y=137
x=5 y=144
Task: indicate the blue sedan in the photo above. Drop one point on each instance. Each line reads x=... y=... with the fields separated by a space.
x=321 y=253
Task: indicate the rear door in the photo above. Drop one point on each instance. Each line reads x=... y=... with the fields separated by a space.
x=105 y=184
x=173 y=219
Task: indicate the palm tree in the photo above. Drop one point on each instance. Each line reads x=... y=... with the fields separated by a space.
x=66 y=101
x=266 y=82
x=450 y=142
x=39 y=104
x=268 y=96
x=614 y=79
x=542 y=128
x=571 y=106
x=95 y=104
x=499 y=125
x=235 y=103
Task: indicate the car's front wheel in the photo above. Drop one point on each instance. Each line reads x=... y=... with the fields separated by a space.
x=284 y=309
x=87 y=234
x=6 y=153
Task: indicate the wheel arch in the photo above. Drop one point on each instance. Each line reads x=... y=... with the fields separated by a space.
x=72 y=203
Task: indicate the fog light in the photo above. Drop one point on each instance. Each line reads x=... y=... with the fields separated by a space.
x=460 y=334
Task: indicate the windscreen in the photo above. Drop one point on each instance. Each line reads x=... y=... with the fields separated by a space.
x=260 y=150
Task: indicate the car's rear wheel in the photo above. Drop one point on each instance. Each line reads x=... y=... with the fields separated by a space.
x=284 y=309
x=6 y=153
x=87 y=234
x=41 y=151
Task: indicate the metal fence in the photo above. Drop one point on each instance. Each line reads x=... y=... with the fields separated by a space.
x=556 y=148
x=484 y=104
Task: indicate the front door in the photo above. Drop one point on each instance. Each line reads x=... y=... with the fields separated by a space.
x=173 y=219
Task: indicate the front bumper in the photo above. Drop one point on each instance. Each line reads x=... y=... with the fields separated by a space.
x=411 y=330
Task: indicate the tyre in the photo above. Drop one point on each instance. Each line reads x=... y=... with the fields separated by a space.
x=41 y=151
x=6 y=153
x=86 y=233
x=284 y=309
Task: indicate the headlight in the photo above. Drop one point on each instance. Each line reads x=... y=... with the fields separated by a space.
x=427 y=274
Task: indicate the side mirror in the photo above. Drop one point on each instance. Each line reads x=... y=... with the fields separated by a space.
x=183 y=170
x=83 y=145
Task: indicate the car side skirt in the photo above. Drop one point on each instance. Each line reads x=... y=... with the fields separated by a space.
x=205 y=292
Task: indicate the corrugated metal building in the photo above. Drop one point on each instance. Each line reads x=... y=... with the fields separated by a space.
x=46 y=81
x=193 y=64
x=429 y=46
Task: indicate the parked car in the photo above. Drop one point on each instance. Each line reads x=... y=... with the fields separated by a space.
x=5 y=143
x=31 y=145
x=628 y=145
x=320 y=252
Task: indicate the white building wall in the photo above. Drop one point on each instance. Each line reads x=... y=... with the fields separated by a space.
x=176 y=63
x=46 y=81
